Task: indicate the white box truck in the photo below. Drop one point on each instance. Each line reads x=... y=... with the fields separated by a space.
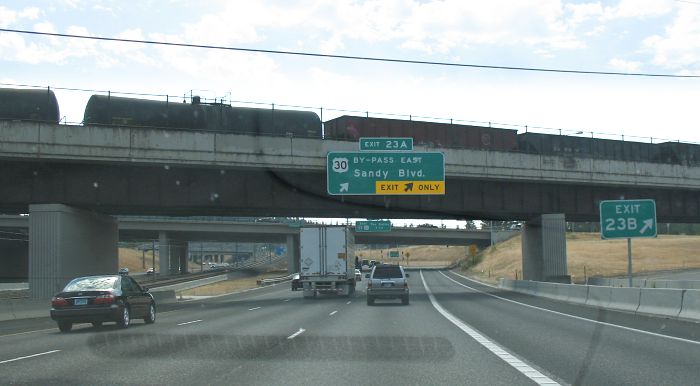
x=327 y=261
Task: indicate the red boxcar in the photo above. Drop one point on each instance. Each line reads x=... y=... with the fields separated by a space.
x=432 y=134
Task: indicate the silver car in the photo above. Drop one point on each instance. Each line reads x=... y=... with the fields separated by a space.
x=387 y=281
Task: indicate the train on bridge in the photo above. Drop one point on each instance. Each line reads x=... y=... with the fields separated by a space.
x=42 y=105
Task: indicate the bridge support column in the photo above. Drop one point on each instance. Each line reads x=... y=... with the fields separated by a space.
x=292 y=259
x=66 y=242
x=544 y=248
x=179 y=252
x=163 y=253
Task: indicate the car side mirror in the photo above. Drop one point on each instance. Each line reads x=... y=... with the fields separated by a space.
x=408 y=275
x=146 y=289
x=367 y=275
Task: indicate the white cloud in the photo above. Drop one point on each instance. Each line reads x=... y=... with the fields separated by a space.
x=9 y=17
x=625 y=65
x=30 y=13
x=639 y=9
x=679 y=47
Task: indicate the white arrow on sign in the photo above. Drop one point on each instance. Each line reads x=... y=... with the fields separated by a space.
x=344 y=187
x=648 y=224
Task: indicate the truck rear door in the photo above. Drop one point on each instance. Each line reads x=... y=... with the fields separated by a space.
x=310 y=251
x=336 y=254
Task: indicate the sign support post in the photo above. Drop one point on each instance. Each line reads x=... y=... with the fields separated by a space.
x=629 y=260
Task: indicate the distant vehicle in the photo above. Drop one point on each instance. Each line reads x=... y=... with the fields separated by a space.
x=98 y=299
x=358 y=275
x=364 y=266
x=296 y=283
x=426 y=225
x=150 y=271
x=326 y=261
x=387 y=281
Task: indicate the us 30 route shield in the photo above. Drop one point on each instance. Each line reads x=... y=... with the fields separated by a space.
x=385 y=173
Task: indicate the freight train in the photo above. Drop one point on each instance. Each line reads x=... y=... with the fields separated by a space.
x=41 y=105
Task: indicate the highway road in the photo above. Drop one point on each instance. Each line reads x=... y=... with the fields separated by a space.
x=455 y=331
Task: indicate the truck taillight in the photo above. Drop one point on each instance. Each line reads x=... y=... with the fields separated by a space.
x=58 y=302
x=104 y=299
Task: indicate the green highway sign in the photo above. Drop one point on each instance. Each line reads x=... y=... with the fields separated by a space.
x=386 y=144
x=385 y=173
x=373 y=226
x=627 y=219
x=394 y=254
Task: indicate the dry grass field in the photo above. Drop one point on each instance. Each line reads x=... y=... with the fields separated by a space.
x=586 y=251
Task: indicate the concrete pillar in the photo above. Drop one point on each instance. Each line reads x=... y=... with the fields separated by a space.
x=14 y=255
x=544 y=248
x=163 y=253
x=65 y=243
x=181 y=251
x=291 y=255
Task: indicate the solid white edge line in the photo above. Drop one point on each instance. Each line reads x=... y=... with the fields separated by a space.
x=349 y=301
x=301 y=330
x=254 y=308
x=28 y=356
x=504 y=355
x=194 y=321
x=333 y=313
x=569 y=315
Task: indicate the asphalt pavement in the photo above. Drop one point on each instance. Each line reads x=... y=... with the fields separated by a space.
x=454 y=331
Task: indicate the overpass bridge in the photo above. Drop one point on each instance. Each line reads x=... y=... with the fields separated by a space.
x=177 y=232
x=117 y=170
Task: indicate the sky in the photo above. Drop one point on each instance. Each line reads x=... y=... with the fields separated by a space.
x=629 y=36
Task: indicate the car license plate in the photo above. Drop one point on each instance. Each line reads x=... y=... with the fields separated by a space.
x=79 y=302
x=387 y=284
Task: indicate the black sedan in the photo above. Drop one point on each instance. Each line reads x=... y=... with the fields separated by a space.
x=98 y=299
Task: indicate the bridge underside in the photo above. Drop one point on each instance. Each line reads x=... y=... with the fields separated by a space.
x=185 y=191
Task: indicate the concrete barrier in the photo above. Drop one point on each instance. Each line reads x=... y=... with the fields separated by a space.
x=577 y=293
x=556 y=291
x=690 y=308
x=625 y=299
x=598 y=296
x=24 y=308
x=547 y=290
x=164 y=296
x=522 y=286
x=664 y=301
x=508 y=284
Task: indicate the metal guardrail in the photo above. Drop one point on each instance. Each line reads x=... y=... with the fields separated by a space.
x=273 y=280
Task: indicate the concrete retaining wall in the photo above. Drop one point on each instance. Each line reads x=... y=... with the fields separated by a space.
x=664 y=302
x=645 y=283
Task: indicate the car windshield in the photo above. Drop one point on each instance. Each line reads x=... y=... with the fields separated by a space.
x=387 y=272
x=305 y=192
x=93 y=283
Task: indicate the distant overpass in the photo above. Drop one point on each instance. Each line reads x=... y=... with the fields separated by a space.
x=142 y=228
